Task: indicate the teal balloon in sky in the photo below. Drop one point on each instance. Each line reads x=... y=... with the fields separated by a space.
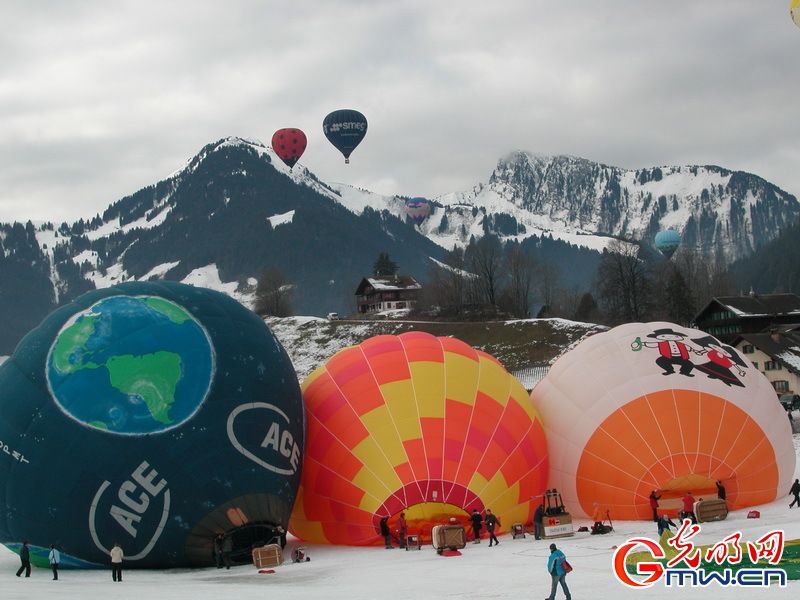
x=667 y=242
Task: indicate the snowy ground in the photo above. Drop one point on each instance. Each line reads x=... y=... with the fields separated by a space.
x=515 y=569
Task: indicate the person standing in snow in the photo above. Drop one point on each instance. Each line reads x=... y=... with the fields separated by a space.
x=555 y=566
x=654 y=505
x=688 y=507
x=538 y=518
x=25 y=558
x=218 y=549
x=227 y=548
x=476 y=525
x=116 y=562
x=387 y=535
x=664 y=523
x=54 y=557
x=794 y=490
x=721 y=491
x=491 y=521
x=401 y=529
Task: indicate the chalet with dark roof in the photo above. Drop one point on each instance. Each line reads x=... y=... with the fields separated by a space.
x=379 y=294
x=776 y=353
x=727 y=317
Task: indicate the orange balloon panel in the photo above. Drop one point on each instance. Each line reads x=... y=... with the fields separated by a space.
x=669 y=409
x=420 y=424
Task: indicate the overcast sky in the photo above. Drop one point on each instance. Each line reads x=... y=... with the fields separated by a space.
x=99 y=98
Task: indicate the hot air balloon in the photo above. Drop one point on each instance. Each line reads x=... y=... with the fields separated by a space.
x=794 y=11
x=289 y=144
x=418 y=210
x=667 y=242
x=657 y=406
x=345 y=129
x=150 y=414
x=415 y=423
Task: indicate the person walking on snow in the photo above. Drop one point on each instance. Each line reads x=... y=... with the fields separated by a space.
x=25 y=558
x=491 y=521
x=555 y=566
x=476 y=525
x=54 y=557
x=794 y=490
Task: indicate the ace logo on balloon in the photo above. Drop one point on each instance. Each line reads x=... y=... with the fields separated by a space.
x=264 y=436
x=141 y=504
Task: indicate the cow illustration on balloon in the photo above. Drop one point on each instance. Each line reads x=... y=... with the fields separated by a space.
x=673 y=350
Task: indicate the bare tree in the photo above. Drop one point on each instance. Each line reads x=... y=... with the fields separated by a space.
x=450 y=283
x=485 y=259
x=521 y=271
x=273 y=294
x=549 y=279
x=624 y=283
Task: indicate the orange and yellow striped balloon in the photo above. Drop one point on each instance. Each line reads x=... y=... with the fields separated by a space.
x=416 y=423
x=656 y=406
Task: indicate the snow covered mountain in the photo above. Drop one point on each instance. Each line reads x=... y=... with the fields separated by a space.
x=235 y=209
x=718 y=212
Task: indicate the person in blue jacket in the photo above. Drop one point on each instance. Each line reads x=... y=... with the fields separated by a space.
x=555 y=566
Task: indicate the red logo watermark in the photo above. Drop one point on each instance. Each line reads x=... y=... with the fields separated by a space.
x=685 y=570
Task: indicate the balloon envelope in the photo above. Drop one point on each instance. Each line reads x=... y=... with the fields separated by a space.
x=657 y=406
x=794 y=11
x=667 y=242
x=416 y=423
x=418 y=209
x=345 y=129
x=150 y=414
x=289 y=144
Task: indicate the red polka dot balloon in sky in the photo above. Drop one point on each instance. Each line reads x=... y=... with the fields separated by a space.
x=289 y=144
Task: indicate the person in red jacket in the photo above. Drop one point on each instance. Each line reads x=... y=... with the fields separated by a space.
x=654 y=505
x=401 y=529
x=688 y=507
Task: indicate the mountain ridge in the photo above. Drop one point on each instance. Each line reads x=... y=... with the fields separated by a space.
x=235 y=209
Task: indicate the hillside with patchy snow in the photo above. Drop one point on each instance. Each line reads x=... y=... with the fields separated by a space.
x=519 y=345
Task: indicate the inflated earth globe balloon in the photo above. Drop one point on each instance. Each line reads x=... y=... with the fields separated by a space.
x=153 y=415
x=659 y=407
x=416 y=424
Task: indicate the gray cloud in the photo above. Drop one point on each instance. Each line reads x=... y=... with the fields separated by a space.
x=99 y=99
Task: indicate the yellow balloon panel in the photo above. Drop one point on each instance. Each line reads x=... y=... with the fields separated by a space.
x=419 y=424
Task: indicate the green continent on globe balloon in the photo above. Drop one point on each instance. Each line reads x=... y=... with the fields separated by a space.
x=169 y=309
x=71 y=339
x=152 y=377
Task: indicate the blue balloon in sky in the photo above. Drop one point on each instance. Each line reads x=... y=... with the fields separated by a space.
x=345 y=129
x=155 y=415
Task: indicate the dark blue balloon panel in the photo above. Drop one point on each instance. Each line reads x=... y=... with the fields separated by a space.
x=153 y=415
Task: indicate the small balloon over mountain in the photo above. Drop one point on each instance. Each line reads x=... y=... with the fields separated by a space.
x=345 y=129
x=289 y=144
x=667 y=242
x=418 y=210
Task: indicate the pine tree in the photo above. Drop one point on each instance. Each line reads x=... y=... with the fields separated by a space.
x=384 y=266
